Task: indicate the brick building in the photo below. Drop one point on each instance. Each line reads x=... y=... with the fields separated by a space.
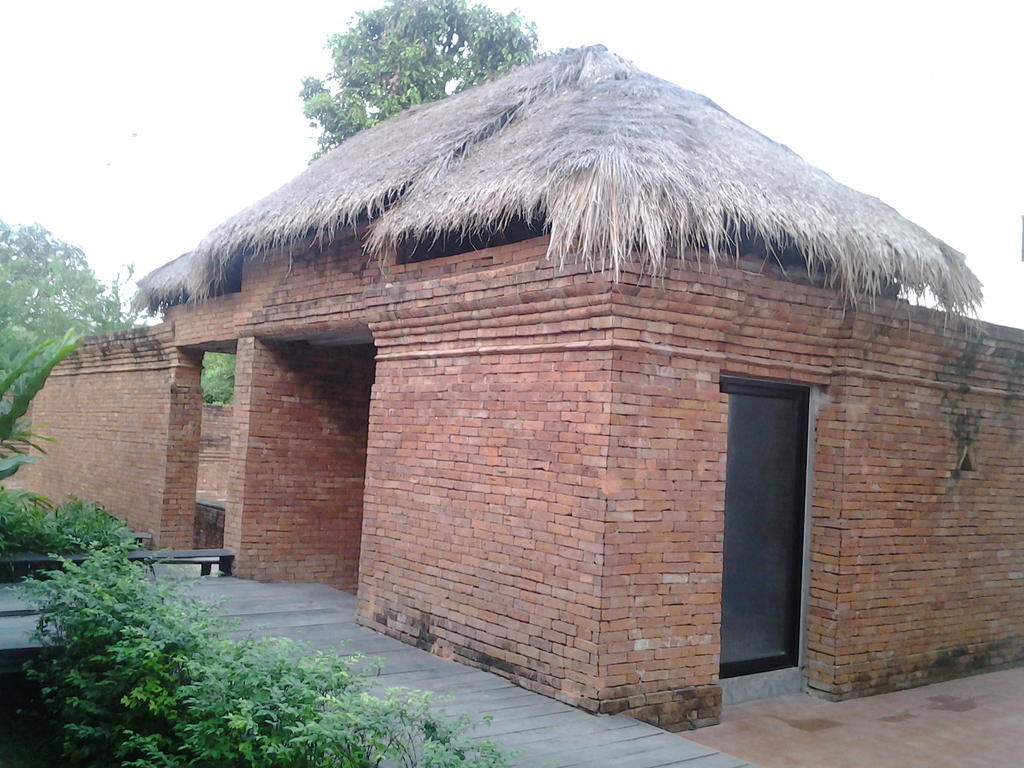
x=576 y=378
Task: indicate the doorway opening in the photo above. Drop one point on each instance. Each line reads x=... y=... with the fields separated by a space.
x=218 y=384
x=763 y=549
x=298 y=471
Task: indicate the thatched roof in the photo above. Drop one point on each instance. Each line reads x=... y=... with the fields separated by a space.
x=167 y=285
x=621 y=166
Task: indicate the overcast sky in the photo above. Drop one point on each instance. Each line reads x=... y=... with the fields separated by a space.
x=132 y=129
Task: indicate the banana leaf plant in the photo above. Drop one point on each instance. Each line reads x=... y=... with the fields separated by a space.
x=18 y=386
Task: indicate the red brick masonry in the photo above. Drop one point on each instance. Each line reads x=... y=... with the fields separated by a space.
x=124 y=410
x=214 y=452
x=527 y=470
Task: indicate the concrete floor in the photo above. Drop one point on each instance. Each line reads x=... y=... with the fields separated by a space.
x=973 y=722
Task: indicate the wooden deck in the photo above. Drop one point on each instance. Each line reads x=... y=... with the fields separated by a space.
x=548 y=733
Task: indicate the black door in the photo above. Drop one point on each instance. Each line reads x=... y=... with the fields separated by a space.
x=764 y=514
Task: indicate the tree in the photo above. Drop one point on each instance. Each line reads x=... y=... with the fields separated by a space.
x=218 y=379
x=48 y=288
x=406 y=53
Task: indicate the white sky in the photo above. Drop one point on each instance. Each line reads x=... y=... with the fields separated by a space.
x=132 y=129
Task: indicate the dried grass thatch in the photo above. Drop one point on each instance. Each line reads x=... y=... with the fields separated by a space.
x=621 y=165
x=167 y=285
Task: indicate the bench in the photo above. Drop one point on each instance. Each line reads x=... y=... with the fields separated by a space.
x=224 y=559
x=22 y=564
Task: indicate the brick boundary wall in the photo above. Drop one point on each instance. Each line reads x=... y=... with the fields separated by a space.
x=545 y=466
x=215 y=452
x=123 y=413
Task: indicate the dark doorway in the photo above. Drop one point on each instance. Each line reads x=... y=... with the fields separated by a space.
x=764 y=523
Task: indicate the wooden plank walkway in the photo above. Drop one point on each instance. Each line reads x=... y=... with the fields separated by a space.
x=548 y=733
x=16 y=626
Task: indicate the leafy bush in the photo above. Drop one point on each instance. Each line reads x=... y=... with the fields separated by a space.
x=272 y=706
x=30 y=523
x=139 y=674
x=118 y=648
x=245 y=713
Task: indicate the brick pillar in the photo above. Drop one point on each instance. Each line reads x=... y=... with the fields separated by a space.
x=665 y=486
x=184 y=420
x=832 y=439
x=246 y=352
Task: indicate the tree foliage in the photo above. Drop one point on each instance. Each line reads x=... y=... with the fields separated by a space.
x=409 y=52
x=218 y=378
x=48 y=288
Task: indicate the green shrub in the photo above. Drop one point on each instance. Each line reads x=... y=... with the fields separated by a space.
x=86 y=526
x=273 y=706
x=30 y=523
x=118 y=648
x=23 y=521
x=404 y=728
x=139 y=674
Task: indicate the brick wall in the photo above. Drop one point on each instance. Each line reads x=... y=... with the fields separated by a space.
x=113 y=409
x=665 y=490
x=483 y=512
x=666 y=471
x=925 y=583
x=214 y=452
x=545 y=466
x=912 y=562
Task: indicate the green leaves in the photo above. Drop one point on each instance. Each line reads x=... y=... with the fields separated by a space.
x=218 y=378
x=11 y=464
x=30 y=523
x=119 y=648
x=47 y=287
x=406 y=53
x=18 y=386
